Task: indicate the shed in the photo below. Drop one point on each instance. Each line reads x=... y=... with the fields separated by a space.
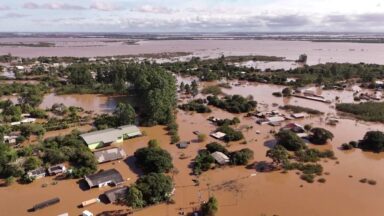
x=299 y=115
x=116 y=194
x=37 y=173
x=101 y=179
x=110 y=155
x=220 y=157
x=183 y=144
x=276 y=119
x=46 y=204
x=57 y=169
x=218 y=135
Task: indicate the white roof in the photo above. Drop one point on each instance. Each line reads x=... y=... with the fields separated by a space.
x=20 y=67
x=299 y=115
x=218 y=135
x=276 y=119
x=28 y=120
x=220 y=157
x=87 y=213
x=111 y=134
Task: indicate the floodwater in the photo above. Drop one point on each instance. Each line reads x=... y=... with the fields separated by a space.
x=91 y=47
x=237 y=192
x=89 y=102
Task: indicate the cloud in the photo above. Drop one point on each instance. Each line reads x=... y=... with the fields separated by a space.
x=4 y=7
x=13 y=16
x=154 y=9
x=52 y=6
x=106 y=6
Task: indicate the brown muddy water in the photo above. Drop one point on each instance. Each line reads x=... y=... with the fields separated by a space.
x=317 y=52
x=89 y=102
x=238 y=193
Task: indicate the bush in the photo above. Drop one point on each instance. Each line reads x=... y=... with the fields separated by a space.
x=215 y=146
x=308 y=178
x=214 y=90
x=201 y=137
x=210 y=208
x=231 y=134
x=202 y=162
x=277 y=94
x=241 y=157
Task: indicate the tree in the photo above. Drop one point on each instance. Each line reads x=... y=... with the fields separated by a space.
x=182 y=87
x=155 y=187
x=32 y=163
x=278 y=154
x=320 y=136
x=372 y=141
x=79 y=74
x=290 y=140
x=201 y=137
x=134 y=197
x=153 y=159
x=210 y=208
x=287 y=92
x=215 y=146
x=187 y=88
x=7 y=155
x=194 y=88
x=125 y=114
x=31 y=96
x=241 y=157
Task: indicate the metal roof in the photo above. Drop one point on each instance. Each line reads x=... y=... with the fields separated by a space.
x=220 y=157
x=111 y=175
x=110 y=155
x=109 y=135
x=116 y=193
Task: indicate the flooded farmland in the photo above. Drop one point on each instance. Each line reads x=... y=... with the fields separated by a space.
x=91 y=47
x=238 y=189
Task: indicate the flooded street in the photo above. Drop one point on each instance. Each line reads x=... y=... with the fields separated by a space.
x=91 y=47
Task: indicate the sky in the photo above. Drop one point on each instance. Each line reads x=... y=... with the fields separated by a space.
x=191 y=15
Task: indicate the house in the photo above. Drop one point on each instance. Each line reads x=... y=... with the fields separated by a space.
x=299 y=115
x=10 y=139
x=104 y=178
x=102 y=138
x=116 y=194
x=37 y=173
x=183 y=144
x=110 y=155
x=57 y=169
x=220 y=157
x=296 y=128
x=275 y=119
x=218 y=135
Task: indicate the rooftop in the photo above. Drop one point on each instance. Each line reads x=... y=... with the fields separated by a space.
x=220 y=157
x=110 y=155
x=111 y=175
x=109 y=135
x=116 y=193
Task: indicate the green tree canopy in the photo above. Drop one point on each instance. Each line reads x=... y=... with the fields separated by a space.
x=155 y=187
x=153 y=159
x=320 y=136
x=210 y=208
x=373 y=141
x=290 y=140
